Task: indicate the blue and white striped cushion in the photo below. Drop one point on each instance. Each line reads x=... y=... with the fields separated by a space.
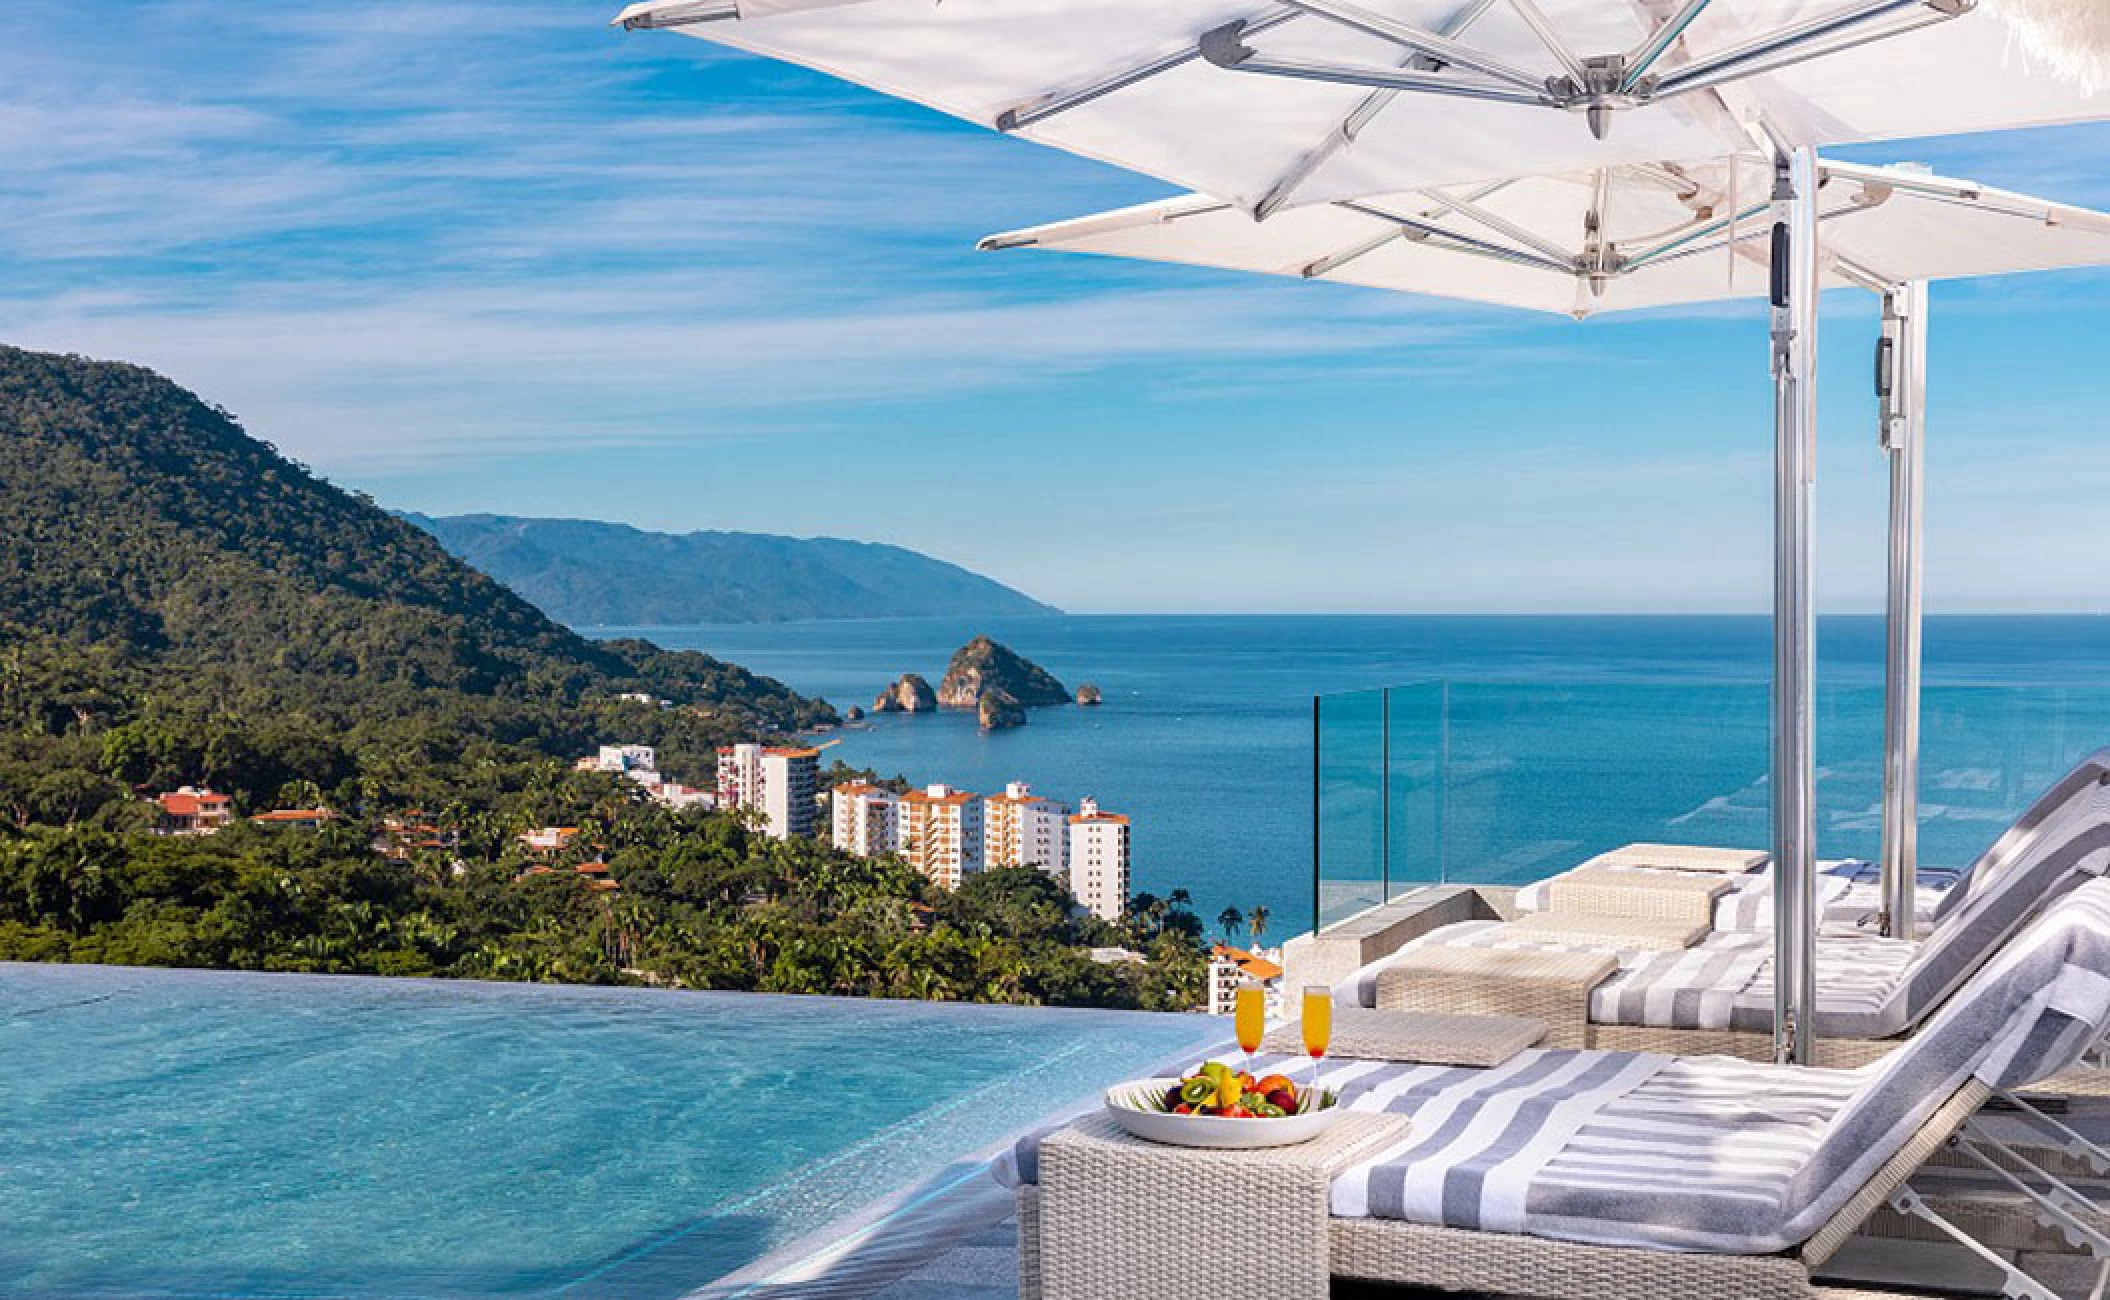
x=1711 y=1154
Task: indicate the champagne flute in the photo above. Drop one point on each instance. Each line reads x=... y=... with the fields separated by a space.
x=1250 y=1019
x=1318 y=1029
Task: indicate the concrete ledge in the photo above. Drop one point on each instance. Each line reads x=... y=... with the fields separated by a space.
x=1336 y=952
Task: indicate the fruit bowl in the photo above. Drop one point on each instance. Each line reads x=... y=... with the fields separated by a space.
x=1144 y=1108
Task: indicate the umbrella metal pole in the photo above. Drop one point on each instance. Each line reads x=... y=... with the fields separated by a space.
x=1793 y=776
x=1901 y=380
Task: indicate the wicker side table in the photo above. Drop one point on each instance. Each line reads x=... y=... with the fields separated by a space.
x=1426 y=1038
x=1550 y=986
x=1687 y=898
x=1123 y=1219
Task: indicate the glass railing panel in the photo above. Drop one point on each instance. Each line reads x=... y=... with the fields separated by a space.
x=1988 y=752
x=1502 y=783
x=1349 y=814
x=1415 y=836
x=1541 y=776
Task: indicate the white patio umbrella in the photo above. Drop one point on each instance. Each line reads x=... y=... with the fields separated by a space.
x=1626 y=237
x=1656 y=235
x=1270 y=104
x=1273 y=104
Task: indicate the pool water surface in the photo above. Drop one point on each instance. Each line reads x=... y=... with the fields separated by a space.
x=194 y=1134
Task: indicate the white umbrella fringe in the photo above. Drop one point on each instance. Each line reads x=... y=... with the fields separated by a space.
x=2070 y=38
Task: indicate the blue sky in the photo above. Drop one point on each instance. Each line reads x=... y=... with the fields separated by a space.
x=498 y=256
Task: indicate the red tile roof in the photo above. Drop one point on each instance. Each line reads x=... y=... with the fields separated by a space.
x=1260 y=968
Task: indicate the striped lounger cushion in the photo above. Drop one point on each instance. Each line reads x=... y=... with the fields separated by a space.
x=1725 y=982
x=1636 y=1149
x=1848 y=895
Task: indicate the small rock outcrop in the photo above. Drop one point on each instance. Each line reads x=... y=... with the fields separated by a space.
x=1088 y=694
x=856 y=714
x=983 y=666
x=910 y=694
x=996 y=710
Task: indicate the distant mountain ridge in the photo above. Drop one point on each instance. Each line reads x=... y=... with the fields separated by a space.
x=592 y=574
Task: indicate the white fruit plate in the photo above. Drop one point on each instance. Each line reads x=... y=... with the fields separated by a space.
x=1137 y=1106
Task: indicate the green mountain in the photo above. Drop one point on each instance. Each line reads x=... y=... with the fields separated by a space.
x=179 y=604
x=590 y=574
x=162 y=571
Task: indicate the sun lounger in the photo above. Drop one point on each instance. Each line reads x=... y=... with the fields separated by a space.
x=1717 y=996
x=1589 y=1175
x=1848 y=893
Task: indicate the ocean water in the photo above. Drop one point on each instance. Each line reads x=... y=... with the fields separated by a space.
x=207 y=1134
x=1531 y=743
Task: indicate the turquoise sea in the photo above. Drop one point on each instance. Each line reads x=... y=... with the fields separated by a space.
x=1531 y=741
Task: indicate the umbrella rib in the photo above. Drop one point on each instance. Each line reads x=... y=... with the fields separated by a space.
x=1542 y=27
x=1334 y=261
x=1642 y=59
x=1155 y=214
x=657 y=17
x=1384 y=78
x=1700 y=231
x=1762 y=232
x=1293 y=178
x=1440 y=48
x=1501 y=225
x=1868 y=278
x=1062 y=101
x=1795 y=44
x=1468 y=243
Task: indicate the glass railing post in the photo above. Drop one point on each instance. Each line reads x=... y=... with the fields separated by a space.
x=1318 y=859
x=1384 y=813
x=1443 y=783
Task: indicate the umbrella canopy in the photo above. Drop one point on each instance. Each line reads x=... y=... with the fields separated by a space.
x=1270 y=105
x=1651 y=235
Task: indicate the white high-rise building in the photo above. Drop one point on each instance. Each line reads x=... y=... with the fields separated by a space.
x=1021 y=829
x=866 y=819
x=941 y=833
x=1099 y=861
x=782 y=784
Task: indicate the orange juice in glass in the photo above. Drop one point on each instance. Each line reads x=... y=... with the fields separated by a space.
x=1249 y=1018
x=1318 y=1025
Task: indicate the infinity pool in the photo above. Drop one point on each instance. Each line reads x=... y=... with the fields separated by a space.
x=194 y=1134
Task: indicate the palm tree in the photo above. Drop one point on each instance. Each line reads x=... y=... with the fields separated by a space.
x=1256 y=921
x=1230 y=920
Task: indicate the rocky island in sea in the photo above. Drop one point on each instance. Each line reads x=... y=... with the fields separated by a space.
x=986 y=676
x=910 y=693
x=998 y=683
x=984 y=665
